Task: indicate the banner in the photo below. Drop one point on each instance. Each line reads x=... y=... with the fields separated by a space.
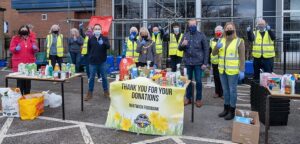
x=104 y=21
x=142 y=106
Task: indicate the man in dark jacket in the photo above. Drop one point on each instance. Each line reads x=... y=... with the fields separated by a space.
x=97 y=50
x=196 y=55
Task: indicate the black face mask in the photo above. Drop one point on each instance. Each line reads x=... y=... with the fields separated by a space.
x=145 y=37
x=55 y=32
x=229 y=32
x=24 y=33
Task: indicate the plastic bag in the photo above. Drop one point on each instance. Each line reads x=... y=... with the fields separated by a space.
x=54 y=100
x=10 y=99
x=31 y=106
x=46 y=98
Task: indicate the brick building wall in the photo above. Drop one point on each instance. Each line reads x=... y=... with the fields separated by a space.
x=103 y=7
x=2 y=50
x=41 y=27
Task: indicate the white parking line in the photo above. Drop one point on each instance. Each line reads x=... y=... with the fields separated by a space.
x=41 y=131
x=73 y=122
x=178 y=140
x=5 y=128
x=86 y=135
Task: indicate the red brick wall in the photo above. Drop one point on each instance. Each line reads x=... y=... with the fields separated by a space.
x=41 y=27
x=103 y=7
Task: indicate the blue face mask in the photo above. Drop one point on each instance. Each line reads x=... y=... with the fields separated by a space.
x=133 y=33
x=193 y=28
x=155 y=33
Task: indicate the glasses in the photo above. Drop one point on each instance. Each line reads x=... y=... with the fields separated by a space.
x=97 y=29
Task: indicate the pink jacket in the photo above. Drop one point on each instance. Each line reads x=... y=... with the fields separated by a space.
x=25 y=54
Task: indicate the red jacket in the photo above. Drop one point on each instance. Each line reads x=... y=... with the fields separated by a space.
x=25 y=54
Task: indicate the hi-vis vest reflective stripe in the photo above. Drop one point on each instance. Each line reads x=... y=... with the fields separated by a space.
x=84 y=47
x=263 y=46
x=59 y=45
x=158 y=43
x=229 y=59
x=173 y=46
x=213 y=59
x=131 y=50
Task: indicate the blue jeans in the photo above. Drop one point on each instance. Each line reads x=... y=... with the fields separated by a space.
x=229 y=84
x=85 y=61
x=93 y=71
x=76 y=58
x=197 y=72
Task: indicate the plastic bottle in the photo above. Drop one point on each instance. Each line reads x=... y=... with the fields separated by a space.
x=50 y=70
x=56 y=71
x=178 y=74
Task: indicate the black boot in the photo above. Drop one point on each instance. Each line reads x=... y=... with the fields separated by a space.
x=225 y=111
x=230 y=114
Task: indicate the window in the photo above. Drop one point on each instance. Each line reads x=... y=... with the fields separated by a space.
x=291 y=21
x=128 y=9
x=44 y=16
x=216 y=8
x=291 y=4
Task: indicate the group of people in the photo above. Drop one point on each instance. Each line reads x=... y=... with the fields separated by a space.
x=225 y=52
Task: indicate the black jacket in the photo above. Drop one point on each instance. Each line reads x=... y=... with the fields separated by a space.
x=97 y=53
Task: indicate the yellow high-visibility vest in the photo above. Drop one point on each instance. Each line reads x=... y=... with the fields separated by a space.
x=173 y=46
x=213 y=59
x=85 y=44
x=59 y=45
x=131 y=50
x=158 y=43
x=263 y=46
x=229 y=60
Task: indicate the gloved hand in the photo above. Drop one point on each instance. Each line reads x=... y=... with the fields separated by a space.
x=131 y=37
x=268 y=27
x=159 y=27
x=241 y=75
x=100 y=41
x=143 y=42
x=18 y=48
x=81 y=25
x=248 y=29
x=34 y=47
x=219 y=44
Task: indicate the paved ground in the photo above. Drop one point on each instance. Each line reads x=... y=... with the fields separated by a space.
x=88 y=126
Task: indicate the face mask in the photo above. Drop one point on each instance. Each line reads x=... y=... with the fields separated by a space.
x=145 y=37
x=155 y=33
x=193 y=28
x=229 y=32
x=97 y=33
x=55 y=32
x=261 y=28
x=176 y=30
x=133 y=33
x=218 y=34
x=24 y=33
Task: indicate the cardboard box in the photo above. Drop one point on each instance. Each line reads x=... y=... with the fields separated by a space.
x=246 y=133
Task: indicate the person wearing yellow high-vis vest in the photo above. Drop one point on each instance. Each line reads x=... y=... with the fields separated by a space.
x=231 y=52
x=54 y=45
x=174 y=53
x=157 y=38
x=214 y=60
x=131 y=44
x=263 y=50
